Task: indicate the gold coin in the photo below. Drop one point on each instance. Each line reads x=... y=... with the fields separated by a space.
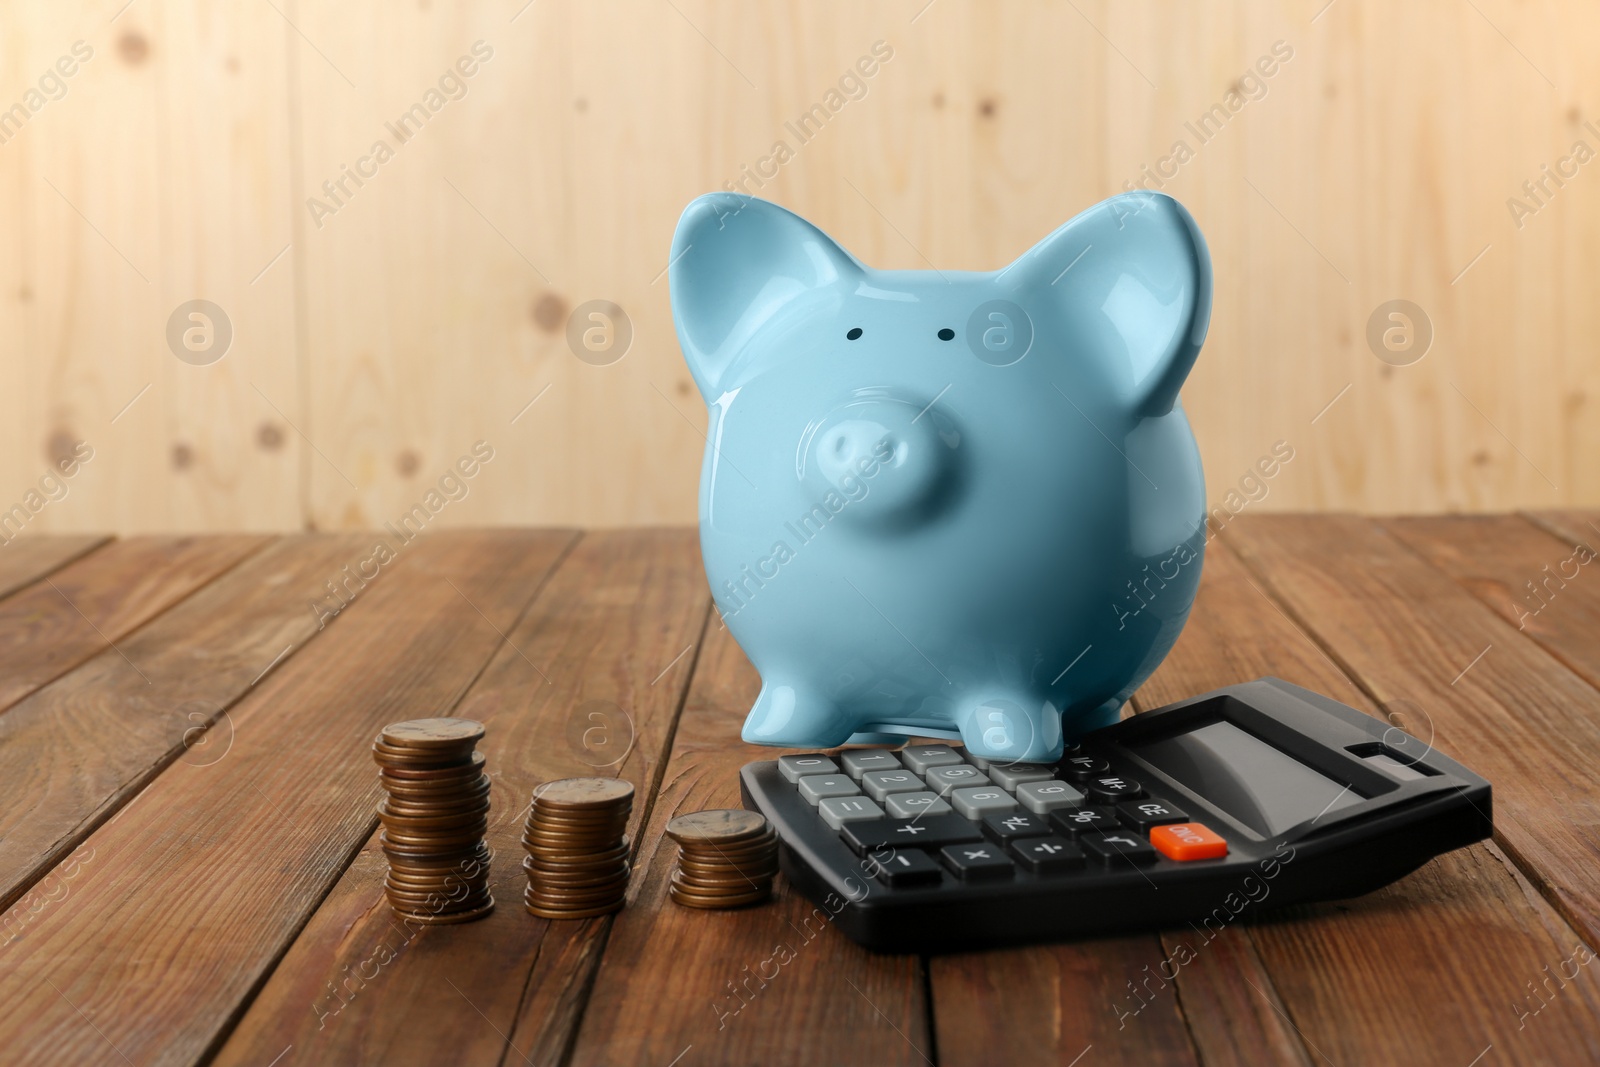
x=471 y=782
x=582 y=863
x=578 y=881
x=703 y=874
x=432 y=733
x=446 y=919
x=551 y=898
x=545 y=912
x=721 y=887
x=725 y=826
x=467 y=768
x=584 y=793
x=694 y=900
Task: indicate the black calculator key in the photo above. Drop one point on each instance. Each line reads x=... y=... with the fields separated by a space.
x=901 y=867
x=1048 y=855
x=930 y=832
x=1075 y=821
x=1111 y=788
x=1147 y=814
x=1083 y=765
x=1012 y=824
x=1118 y=848
x=976 y=862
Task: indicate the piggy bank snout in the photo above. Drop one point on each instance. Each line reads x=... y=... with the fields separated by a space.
x=883 y=461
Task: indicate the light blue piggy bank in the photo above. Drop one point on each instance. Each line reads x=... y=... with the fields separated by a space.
x=946 y=503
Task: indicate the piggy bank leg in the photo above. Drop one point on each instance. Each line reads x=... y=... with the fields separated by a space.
x=795 y=717
x=1105 y=715
x=1022 y=729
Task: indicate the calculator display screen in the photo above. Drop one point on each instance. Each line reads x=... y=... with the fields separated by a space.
x=1264 y=788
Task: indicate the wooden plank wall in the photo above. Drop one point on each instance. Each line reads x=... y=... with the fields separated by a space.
x=375 y=343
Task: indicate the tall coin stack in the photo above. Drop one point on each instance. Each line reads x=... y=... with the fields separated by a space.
x=577 y=845
x=434 y=818
x=726 y=858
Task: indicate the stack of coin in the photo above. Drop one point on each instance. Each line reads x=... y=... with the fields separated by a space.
x=434 y=818
x=577 y=847
x=726 y=859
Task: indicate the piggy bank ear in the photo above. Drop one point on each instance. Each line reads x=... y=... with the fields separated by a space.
x=1131 y=281
x=736 y=262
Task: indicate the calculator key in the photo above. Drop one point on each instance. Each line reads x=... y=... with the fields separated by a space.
x=1123 y=848
x=1008 y=826
x=931 y=832
x=1083 y=766
x=1009 y=777
x=1075 y=821
x=859 y=762
x=792 y=767
x=1144 y=814
x=1048 y=855
x=981 y=800
x=836 y=811
x=914 y=805
x=921 y=758
x=879 y=784
x=1113 y=787
x=976 y=862
x=819 y=787
x=1042 y=797
x=900 y=867
x=1188 y=841
x=977 y=761
x=943 y=779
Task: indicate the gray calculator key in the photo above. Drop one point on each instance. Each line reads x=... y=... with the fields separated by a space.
x=956 y=776
x=981 y=800
x=922 y=757
x=1040 y=797
x=836 y=811
x=911 y=805
x=977 y=761
x=819 y=787
x=1009 y=777
x=857 y=763
x=879 y=784
x=792 y=767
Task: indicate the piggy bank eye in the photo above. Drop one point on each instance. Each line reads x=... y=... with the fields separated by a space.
x=855 y=331
x=947 y=334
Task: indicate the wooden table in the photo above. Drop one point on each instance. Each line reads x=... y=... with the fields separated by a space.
x=190 y=873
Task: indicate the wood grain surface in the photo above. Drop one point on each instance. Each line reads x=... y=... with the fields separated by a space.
x=747 y=982
x=90 y=604
x=597 y=642
x=181 y=895
x=384 y=326
x=282 y=812
x=1447 y=666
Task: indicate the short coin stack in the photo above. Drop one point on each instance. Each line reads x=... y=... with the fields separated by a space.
x=726 y=859
x=434 y=818
x=577 y=845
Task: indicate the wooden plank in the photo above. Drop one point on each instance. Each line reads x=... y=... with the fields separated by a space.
x=1465 y=680
x=24 y=560
x=598 y=641
x=76 y=750
x=675 y=982
x=1345 y=975
x=131 y=231
x=70 y=615
x=1540 y=578
x=206 y=879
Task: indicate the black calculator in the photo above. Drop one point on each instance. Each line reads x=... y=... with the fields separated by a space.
x=1252 y=797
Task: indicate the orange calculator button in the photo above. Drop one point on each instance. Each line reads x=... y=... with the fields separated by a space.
x=1188 y=841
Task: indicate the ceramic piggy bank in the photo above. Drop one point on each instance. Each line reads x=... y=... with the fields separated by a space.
x=946 y=503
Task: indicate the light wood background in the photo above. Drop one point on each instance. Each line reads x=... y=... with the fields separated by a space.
x=371 y=351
